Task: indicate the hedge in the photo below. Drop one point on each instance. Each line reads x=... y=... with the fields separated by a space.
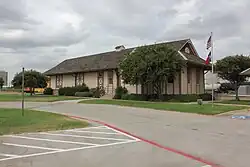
x=119 y=92
x=84 y=94
x=48 y=91
x=167 y=97
x=71 y=91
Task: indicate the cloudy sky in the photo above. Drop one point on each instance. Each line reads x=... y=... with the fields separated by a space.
x=38 y=34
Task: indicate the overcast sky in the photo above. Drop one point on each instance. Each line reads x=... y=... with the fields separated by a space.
x=38 y=34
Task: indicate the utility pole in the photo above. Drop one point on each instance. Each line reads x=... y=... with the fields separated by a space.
x=23 y=92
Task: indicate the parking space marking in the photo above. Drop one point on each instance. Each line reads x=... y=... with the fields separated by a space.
x=8 y=155
x=83 y=131
x=30 y=146
x=120 y=132
x=51 y=140
x=68 y=150
x=86 y=137
x=96 y=127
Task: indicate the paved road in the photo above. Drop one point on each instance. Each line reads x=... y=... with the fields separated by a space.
x=220 y=140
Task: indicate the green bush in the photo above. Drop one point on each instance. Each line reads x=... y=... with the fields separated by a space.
x=84 y=94
x=71 y=91
x=119 y=91
x=97 y=92
x=125 y=97
x=167 y=97
x=48 y=91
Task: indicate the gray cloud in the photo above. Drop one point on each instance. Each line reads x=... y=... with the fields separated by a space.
x=40 y=34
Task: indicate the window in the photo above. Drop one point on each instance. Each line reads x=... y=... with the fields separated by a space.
x=198 y=76
x=110 y=77
x=189 y=75
x=79 y=79
x=59 y=81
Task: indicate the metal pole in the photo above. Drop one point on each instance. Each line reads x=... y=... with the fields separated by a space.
x=212 y=57
x=23 y=92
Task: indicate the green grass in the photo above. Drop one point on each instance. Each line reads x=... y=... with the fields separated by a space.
x=241 y=102
x=12 y=121
x=206 y=109
x=34 y=98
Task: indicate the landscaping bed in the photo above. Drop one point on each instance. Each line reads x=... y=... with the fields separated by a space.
x=12 y=121
x=205 y=109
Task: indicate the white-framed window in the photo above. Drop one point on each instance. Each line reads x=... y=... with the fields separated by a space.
x=59 y=81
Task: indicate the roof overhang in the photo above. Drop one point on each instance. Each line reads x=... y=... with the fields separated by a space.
x=245 y=72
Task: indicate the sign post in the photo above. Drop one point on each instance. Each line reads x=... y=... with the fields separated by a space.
x=23 y=92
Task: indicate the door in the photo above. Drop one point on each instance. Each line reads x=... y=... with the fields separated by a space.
x=100 y=79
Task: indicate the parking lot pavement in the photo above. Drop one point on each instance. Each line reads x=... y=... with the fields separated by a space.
x=44 y=143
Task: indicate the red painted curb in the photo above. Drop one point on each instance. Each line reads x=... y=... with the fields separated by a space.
x=153 y=143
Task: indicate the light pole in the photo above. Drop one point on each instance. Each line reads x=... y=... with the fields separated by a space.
x=23 y=92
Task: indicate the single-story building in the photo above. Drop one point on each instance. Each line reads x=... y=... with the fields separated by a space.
x=101 y=70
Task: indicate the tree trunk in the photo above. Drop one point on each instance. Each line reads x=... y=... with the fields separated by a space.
x=237 y=93
x=31 y=91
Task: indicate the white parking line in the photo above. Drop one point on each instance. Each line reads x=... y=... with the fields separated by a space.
x=29 y=146
x=87 y=137
x=95 y=127
x=124 y=134
x=8 y=155
x=207 y=166
x=51 y=140
x=81 y=131
x=73 y=149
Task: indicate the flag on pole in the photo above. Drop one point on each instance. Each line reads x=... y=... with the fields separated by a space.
x=209 y=58
x=209 y=42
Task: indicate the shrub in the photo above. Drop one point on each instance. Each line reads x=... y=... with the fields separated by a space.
x=70 y=91
x=84 y=94
x=48 y=91
x=125 y=97
x=206 y=97
x=97 y=92
x=119 y=91
x=167 y=97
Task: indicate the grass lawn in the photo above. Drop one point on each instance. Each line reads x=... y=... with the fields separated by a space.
x=206 y=109
x=241 y=102
x=34 y=98
x=12 y=121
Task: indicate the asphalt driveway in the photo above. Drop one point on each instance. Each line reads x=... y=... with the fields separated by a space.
x=219 y=140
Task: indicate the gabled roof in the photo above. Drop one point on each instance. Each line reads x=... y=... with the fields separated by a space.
x=110 y=60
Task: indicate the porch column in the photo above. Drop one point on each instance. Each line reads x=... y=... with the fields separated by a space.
x=184 y=83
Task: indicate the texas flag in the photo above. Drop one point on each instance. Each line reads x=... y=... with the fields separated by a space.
x=208 y=60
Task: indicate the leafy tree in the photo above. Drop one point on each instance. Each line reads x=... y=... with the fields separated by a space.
x=1 y=83
x=151 y=65
x=32 y=79
x=229 y=69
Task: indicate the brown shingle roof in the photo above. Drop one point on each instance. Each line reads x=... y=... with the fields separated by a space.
x=107 y=60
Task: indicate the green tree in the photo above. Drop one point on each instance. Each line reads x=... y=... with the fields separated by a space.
x=32 y=79
x=151 y=65
x=229 y=69
x=1 y=83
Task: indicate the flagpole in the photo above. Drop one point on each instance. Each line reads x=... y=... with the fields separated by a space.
x=212 y=60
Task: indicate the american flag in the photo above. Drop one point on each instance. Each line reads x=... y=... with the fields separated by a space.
x=209 y=42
